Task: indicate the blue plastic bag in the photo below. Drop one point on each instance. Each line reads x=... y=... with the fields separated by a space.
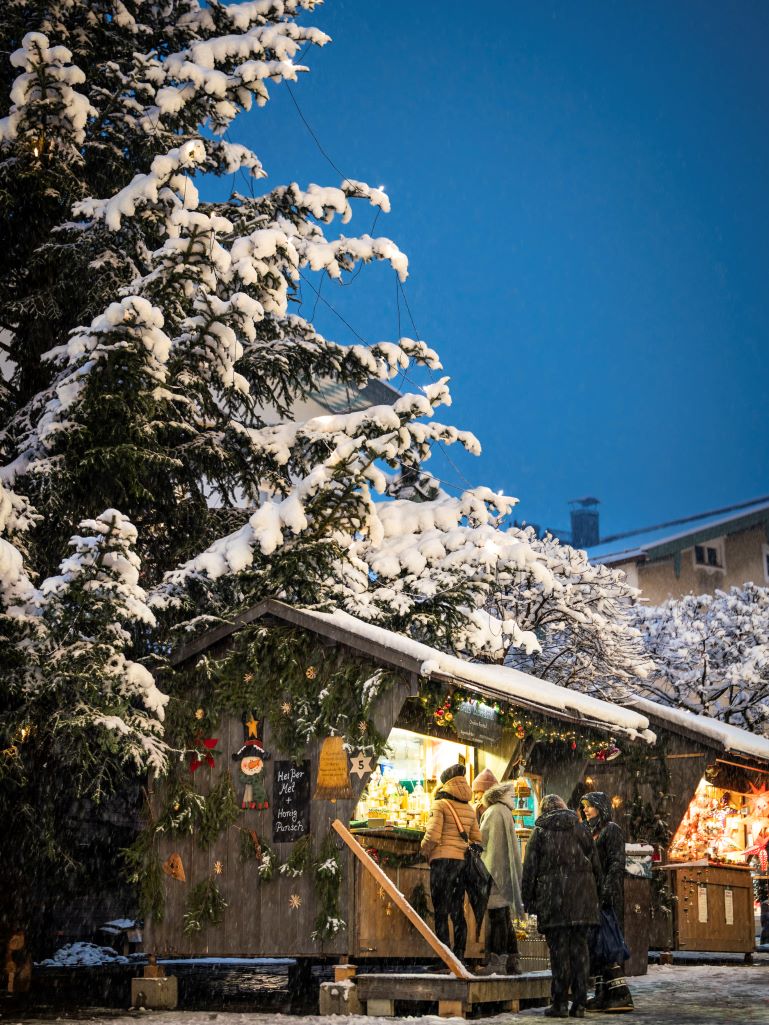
x=608 y=944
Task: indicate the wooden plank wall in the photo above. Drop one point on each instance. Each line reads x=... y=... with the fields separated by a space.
x=259 y=921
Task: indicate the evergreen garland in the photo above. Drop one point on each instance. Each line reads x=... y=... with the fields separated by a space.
x=220 y=810
x=299 y=859
x=328 y=882
x=268 y=864
x=525 y=724
x=306 y=690
x=205 y=906
x=144 y=870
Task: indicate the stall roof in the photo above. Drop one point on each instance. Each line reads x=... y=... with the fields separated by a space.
x=720 y=734
x=496 y=681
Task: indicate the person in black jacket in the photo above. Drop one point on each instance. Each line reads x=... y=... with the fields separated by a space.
x=611 y=988
x=560 y=882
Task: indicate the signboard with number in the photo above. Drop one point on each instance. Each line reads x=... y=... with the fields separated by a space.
x=291 y=801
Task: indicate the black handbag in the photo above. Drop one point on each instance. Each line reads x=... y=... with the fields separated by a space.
x=477 y=878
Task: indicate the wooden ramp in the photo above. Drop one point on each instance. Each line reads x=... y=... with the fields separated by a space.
x=456 y=997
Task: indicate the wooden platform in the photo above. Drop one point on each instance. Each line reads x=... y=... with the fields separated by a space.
x=456 y=997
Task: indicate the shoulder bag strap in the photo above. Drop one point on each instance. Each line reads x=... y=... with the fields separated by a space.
x=462 y=832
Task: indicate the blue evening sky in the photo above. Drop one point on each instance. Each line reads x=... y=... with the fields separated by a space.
x=582 y=191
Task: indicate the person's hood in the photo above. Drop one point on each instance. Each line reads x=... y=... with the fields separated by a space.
x=560 y=820
x=600 y=801
x=456 y=787
x=500 y=793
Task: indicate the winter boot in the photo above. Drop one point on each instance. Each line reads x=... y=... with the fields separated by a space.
x=618 y=998
x=598 y=1000
x=496 y=965
x=557 y=1011
x=513 y=965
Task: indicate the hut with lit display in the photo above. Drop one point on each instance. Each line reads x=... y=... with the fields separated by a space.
x=700 y=798
x=292 y=720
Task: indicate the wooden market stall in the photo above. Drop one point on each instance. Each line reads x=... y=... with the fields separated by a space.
x=701 y=797
x=240 y=840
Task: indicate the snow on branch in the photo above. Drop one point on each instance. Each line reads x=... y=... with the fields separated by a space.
x=44 y=104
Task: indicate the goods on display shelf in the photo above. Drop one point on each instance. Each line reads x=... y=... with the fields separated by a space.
x=399 y=792
x=725 y=826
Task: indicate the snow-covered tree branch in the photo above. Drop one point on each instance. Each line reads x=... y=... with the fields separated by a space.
x=711 y=654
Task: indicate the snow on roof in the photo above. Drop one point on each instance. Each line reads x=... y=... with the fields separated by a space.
x=337 y=397
x=502 y=681
x=731 y=738
x=633 y=546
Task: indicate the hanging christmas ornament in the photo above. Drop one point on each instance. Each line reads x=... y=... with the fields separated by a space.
x=218 y=868
x=199 y=713
x=294 y=901
x=362 y=727
x=333 y=775
x=248 y=678
x=251 y=769
x=205 y=757
x=257 y=845
x=311 y=672
x=174 y=868
x=252 y=727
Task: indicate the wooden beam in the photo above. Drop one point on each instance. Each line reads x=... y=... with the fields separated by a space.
x=443 y=952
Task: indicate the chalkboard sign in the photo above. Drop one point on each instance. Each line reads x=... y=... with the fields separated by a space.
x=290 y=801
x=477 y=723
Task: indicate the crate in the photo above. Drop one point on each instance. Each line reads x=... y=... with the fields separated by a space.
x=533 y=954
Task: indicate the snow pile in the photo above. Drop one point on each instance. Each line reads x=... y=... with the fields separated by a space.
x=82 y=953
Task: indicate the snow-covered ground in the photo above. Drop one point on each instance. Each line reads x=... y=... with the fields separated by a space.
x=668 y=995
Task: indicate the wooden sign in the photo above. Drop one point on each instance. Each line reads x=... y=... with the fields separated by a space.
x=291 y=801
x=477 y=723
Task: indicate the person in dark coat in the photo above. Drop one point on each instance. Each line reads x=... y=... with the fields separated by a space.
x=611 y=989
x=560 y=884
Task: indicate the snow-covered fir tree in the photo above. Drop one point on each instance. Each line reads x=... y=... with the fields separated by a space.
x=711 y=654
x=154 y=476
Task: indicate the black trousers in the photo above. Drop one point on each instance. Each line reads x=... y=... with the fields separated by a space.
x=501 y=938
x=447 y=889
x=569 y=963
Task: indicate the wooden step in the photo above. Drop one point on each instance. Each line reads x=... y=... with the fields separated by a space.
x=455 y=996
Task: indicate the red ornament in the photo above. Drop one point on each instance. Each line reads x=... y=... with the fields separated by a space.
x=574 y=745
x=209 y=743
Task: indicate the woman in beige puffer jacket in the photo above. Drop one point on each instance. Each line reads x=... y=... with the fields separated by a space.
x=445 y=849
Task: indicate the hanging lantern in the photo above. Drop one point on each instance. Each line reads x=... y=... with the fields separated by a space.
x=174 y=868
x=333 y=774
x=522 y=791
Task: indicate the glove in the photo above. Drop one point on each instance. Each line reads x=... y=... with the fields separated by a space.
x=477 y=847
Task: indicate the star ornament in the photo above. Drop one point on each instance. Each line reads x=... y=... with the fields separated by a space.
x=294 y=901
x=252 y=725
x=218 y=868
x=286 y=708
x=360 y=764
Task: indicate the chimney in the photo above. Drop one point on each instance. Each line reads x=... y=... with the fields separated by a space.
x=584 y=522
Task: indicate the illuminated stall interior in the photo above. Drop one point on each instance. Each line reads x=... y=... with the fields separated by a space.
x=399 y=792
x=725 y=826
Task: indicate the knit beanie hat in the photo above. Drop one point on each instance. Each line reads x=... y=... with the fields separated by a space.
x=483 y=781
x=451 y=772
